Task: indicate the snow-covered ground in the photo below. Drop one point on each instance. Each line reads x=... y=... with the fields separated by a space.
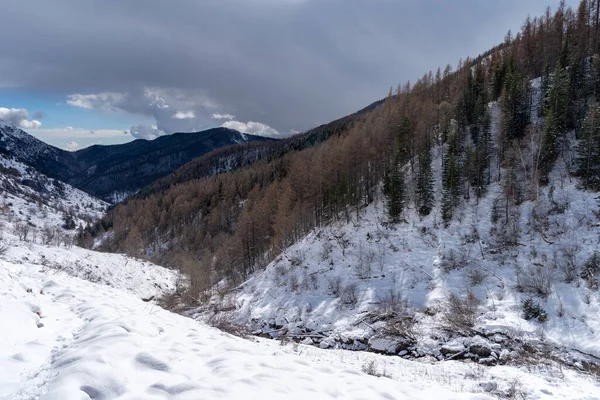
x=342 y=284
x=66 y=338
x=28 y=197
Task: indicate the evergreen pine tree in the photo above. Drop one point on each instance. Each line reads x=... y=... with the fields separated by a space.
x=549 y=147
x=393 y=188
x=588 y=150
x=424 y=190
x=450 y=178
x=515 y=103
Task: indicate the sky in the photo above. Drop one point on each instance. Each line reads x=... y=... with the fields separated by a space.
x=80 y=72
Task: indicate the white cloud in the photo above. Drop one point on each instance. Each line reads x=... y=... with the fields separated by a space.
x=254 y=128
x=72 y=146
x=19 y=117
x=69 y=133
x=184 y=115
x=173 y=110
x=223 y=116
x=104 y=101
x=148 y=132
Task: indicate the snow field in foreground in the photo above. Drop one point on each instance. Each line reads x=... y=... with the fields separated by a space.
x=72 y=339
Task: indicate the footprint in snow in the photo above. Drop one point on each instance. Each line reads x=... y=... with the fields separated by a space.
x=146 y=360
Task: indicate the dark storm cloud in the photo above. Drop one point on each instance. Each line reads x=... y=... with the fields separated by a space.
x=287 y=64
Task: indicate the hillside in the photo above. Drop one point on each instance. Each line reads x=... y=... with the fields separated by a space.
x=41 y=206
x=424 y=288
x=116 y=171
x=234 y=157
x=83 y=325
x=456 y=219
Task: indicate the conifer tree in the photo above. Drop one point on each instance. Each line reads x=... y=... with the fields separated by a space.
x=393 y=188
x=424 y=191
x=515 y=103
x=556 y=119
x=588 y=150
x=451 y=178
x=549 y=146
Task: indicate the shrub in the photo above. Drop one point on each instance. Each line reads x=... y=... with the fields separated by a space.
x=590 y=269
x=370 y=368
x=461 y=314
x=336 y=285
x=476 y=276
x=452 y=260
x=226 y=324
x=349 y=294
x=537 y=279
x=532 y=310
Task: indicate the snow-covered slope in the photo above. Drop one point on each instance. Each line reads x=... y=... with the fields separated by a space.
x=66 y=338
x=23 y=146
x=32 y=198
x=420 y=288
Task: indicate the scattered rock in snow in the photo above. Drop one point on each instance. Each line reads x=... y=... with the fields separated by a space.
x=488 y=386
x=388 y=344
x=480 y=347
x=453 y=347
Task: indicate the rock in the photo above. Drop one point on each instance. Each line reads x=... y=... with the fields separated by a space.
x=488 y=386
x=280 y=322
x=308 y=341
x=327 y=343
x=388 y=345
x=403 y=353
x=40 y=325
x=504 y=355
x=480 y=347
x=453 y=347
x=498 y=338
x=488 y=361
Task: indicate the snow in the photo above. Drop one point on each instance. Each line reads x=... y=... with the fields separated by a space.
x=74 y=339
x=19 y=201
x=326 y=284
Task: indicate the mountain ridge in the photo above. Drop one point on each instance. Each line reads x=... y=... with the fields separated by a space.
x=113 y=172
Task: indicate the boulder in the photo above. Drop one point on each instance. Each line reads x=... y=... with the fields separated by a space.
x=480 y=347
x=388 y=344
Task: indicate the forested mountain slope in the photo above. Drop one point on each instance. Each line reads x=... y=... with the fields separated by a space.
x=113 y=172
x=234 y=157
x=230 y=225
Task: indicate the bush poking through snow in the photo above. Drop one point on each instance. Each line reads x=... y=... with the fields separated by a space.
x=453 y=260
x=349 y=294
x=591 y=269
x=225 y=323
x=532 y=310
x=461 y=314
x=515 y=390
x=476 y=276
x=371 y=368
x=537 y=279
